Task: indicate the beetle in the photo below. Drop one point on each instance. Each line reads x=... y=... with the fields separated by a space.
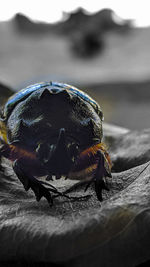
x=54 y=129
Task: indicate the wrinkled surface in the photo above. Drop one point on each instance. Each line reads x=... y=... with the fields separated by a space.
x=83 y=233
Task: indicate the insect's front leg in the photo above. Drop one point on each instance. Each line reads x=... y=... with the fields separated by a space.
x=102 y=171
x=92 y=166
x=20 y=168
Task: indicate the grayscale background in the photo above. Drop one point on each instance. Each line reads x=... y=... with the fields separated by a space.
x=105 y=56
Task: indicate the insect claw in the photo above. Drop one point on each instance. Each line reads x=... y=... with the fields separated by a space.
x=58 y=176
x=36 y=191
x=40 y=191
x=109 y=175
x=49 y=177
x=88 y=184
x=26 y=185
x=38 y=197
x=104 y=186
x=100 y=198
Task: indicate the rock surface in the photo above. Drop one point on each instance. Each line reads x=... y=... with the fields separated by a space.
x=83 y=233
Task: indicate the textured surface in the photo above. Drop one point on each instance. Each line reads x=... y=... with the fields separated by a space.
x=83 y=233
x=116 y=233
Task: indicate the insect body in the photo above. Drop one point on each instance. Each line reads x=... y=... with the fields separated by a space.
x=54 y=129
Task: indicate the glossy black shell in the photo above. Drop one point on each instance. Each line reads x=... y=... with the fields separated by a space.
x=36 y=114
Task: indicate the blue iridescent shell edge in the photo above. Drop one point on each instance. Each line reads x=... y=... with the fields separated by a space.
x=22 y=94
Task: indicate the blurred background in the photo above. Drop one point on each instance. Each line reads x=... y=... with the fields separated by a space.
x=102 y=48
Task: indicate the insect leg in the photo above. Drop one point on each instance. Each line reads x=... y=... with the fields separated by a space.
x=100 y=174
x=4 y=151
x=29 y=181
x=98 y=178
